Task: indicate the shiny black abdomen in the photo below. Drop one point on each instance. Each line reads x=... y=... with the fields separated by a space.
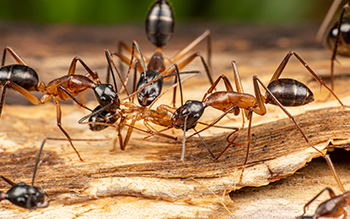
x=160 y=23
x=289 y=92
x=21 y=75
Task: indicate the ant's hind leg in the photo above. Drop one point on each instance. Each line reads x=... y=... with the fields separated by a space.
x=14 y=55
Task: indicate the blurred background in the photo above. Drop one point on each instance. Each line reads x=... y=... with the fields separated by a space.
x=121 y=11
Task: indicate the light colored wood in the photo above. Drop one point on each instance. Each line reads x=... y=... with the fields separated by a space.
x=146 y=180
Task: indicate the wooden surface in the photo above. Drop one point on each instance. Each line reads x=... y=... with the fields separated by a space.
x=146 y=180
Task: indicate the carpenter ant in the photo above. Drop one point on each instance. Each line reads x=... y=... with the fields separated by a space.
x=337 y=37
x=333 y=207
x=159 y=29
x=26 y=196
x=280 y=91
x=186 y=117
x=101 y=118
x=24 y=79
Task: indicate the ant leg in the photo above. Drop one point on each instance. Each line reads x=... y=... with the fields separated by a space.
x=206 y=146
x=14 y=55
x=331 y=194
x=234 y=109
x=283 y=64
x=73 y=65
x=334 y=53
x=22 y=91
x=61 y=89
x=128 y=134
x=335 y=175
x=250 y=117
x=214 y=85
x=152 y=130
x=205 y=65
x=8 y=180
x=59 y=124
x=257 y=93
x=205 y=35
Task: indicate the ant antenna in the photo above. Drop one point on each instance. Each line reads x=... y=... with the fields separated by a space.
x=141 y=57
x=110 y=63
x=37 y=160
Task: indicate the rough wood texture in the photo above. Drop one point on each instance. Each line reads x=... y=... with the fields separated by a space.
x=146 y=180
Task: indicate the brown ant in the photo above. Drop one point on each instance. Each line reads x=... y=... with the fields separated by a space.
x=24 y=79
x=159 y=29
x=333 y=207
x=26 y=196
x=280 y=91
x=338 y=38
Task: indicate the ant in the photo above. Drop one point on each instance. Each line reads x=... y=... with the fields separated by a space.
x=186 y=117
x=333 y=207
x=280 y=91
x=26 y=196
x=159 y=29
x=338 y=39
x=101 y=118
x=24 y=79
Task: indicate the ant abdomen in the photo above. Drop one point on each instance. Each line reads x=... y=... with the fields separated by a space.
x=21 y=75
x=344 y=39
x=289 y=92
x=160 y=23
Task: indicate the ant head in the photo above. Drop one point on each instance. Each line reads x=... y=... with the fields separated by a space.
x=102 y=117
x=160 y=23
x=342 y=48
x=105 y=95
x=28 y=197
x=193 y=110
x=152 y=91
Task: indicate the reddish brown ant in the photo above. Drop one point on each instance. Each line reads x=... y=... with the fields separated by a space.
x=24 y=79
x=26 y=196
x=337 y=37
x=159 y=29
x=333 y=207
x=280 y=91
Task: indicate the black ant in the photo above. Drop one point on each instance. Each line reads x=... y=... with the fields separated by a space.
x=26 y=196
x=159 y=29
x=338 y=38
x=280 y=91
x=24 y=79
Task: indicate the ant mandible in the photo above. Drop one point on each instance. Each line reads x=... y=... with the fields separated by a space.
x=24 y=79
x=26 y=196
x=338 y=38
x=159 y=29
x=280 y=91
